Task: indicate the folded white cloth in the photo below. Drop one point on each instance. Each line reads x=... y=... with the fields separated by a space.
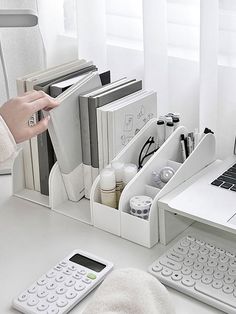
x=130 y=291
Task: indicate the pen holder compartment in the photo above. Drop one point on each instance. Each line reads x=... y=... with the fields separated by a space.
x=135 y=229
x=105 y=217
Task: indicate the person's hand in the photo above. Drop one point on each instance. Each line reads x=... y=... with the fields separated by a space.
x=17 y=111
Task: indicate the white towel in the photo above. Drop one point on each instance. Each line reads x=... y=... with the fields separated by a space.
x=130 y=291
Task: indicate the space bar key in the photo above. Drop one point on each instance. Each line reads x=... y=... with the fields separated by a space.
x=216 y=294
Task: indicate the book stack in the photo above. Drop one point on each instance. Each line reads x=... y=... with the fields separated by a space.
x=93 y=122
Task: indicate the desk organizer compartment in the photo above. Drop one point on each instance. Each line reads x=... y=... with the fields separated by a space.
x=18 y=183
x=170 y=223
x=145 y=232
x=105 y=217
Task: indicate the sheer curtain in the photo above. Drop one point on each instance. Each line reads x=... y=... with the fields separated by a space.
x=183 y=49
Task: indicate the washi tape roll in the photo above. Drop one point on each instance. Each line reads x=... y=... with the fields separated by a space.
x=140 y=206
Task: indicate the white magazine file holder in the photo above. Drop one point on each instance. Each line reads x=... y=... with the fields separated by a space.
x=170 y=223
x=57 y=199
x=119 y=221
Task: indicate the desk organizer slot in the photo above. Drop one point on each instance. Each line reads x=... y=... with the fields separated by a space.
x=202 y=156
x=145 y=232
x=105 y=217
x=18 y=183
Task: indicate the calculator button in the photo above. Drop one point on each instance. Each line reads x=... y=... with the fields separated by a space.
x=91 y=276
x=71 y=295
x=42 y=281
x=52 y=298
x=33 y=289
x=185 y=243
x=192 y=255
x=196 y=275
x=70 y=282
x=72 y=267
x=176 y=276
x=79 y=287
x=42 y=306
x=87 y=280
x=181 y=250
x=51 y=274
x=82 y=271
x=60 y=278
x=51 y=286
x=186 y=271
x=58 y=268
x=63 y=264
x=206 y=279
x=33 y=301
x=212 y=263
x=77 y=276
x=23 y=297
x=228 y=289
x=42 y=293
x=67 y=272
x=228 y=279
x=218 y=275
x=53 y=310
x=61 y=290
x=62 y=303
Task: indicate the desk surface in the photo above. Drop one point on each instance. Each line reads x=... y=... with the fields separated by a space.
x=34 y=238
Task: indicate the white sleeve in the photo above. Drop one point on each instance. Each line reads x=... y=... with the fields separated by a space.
x=7 y=142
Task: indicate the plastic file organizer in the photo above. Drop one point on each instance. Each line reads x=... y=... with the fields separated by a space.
x=119 y=221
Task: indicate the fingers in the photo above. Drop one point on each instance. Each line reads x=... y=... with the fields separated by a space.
x=43 y=103
x=40 y=127
x=32 y=95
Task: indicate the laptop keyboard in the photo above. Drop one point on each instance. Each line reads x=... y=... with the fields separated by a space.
x=227 y=180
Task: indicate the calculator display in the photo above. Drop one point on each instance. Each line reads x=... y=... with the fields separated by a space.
x=87 y=262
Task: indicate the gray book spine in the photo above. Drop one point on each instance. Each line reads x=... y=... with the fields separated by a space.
x=97 y=102
x=85 y=130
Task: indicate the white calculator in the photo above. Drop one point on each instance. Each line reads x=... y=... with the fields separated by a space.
x=64 y=285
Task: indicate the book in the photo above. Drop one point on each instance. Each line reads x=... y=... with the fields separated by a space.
x=29 y=82
x=102 y=125
x=101 y=100
x=65 y=132
x=126 y=120
x=85 y=129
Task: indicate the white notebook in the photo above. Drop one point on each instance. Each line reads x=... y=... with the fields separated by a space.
x=65 y=133
x=121 y=120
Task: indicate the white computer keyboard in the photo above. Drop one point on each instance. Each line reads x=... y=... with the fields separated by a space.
x=200 y=269
x=64 y=285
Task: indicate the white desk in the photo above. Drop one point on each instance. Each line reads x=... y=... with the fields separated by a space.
x=33 y=238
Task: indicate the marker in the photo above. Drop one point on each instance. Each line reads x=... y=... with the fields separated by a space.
x=183 y=151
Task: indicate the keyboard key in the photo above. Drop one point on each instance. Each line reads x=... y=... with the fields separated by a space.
x=196 y=275
x=217 y=284
x=228 y=289
x=181 y=250
x=166 y=272
x=215 y=294
x=226 y=185
x=176 y=276
x=227 y=179
x=230 y=174
x=233 y=188
x=206 y=279
x=188 y=282
x=175 y=257
x=217 y=182
x=157 y=268
x=228 y=279
x=53 y=310
x=170 y=264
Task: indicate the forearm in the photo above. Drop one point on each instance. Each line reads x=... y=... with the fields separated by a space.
x=7 y=142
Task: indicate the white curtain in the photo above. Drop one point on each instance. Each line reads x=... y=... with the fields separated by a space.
x=189 y=59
